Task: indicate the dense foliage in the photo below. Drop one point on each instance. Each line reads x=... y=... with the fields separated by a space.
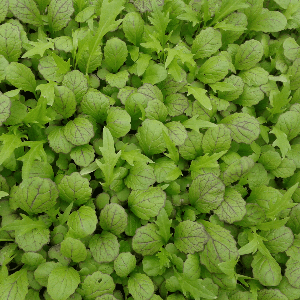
x=150 y=149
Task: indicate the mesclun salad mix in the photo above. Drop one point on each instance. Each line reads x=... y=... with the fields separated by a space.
x=150 y=149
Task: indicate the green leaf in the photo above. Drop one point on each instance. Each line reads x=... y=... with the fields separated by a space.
x=221 y=247
x=37 y=195
x=10 y=42
x=155 y=144
x=21 y=77
x=5 y=107
x=117 y=80
x=98 y=285
x=83 y=155
x=147 y=203
x=291 y=49
x=63 y=66
x=113 y=218
x=74 y=188
x=109 y=12
x=15 y=286
x=124 y=264
x=115 y=53
x=104 y=247
x=244 y=128
x=146 y=240
x=83 y=221
x=283 y=203
x=164 y=225
x=62 y=282
x=140 y=286
x=74 y=249
x=206 y=161
x=281 y=141
x=79 y=131
x=248 y=55
x=227 y=7
x=268 y=21
x=206 y=192
x=233 y=208
x=26 y=11
x=133 y=27
x=118 y=122
x=141 y=176
x=59 y=14
x=47 y=91
x=266 y=270
x=196 y=288
x=38 y=48
x=36 y=152
x=77 y=83
x=190 y=237
x=110 y=157
x=200 y=95
x=58 y=142
x=154 y=74
x=214 y=69
x=206 y=43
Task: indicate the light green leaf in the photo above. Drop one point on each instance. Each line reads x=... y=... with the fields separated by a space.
x=233 y=208
x=124 y=264
x=98 y=285
x=26 y=11
x=216 y=139
x=74 y=188
x=104 y=247
x=59 y=14
x=10 y=42
x=83 y=155
x=248 y=55
x=47 y=91
x=214 y=69
x=146 y=240
x=133 y=27
x=206 y=192
x=83 y=221
x=164 y=225
x=37 y=195
x=140 y=286
x=268 y=21
x=147 y=203
x=38 y=48
x=154 y=74
x=200 y=95
x=74 y=249
x=266 y=270
x=115 y=53
x=58 y=141
x=113 y=218
x=15 y=286
x=21 y=77
x=141 y=176
x=227 y=7
x=206 y=43
x=109 y=12
x=36 y=152
x=206 y=161
x=244 y=128
x=76 y=82
x=62 y=282
x=190 y=237
x=10 y=143
x=117 y=80
x=221 y=247
x=79 y=131
x=5 y=107
x=281 y=141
